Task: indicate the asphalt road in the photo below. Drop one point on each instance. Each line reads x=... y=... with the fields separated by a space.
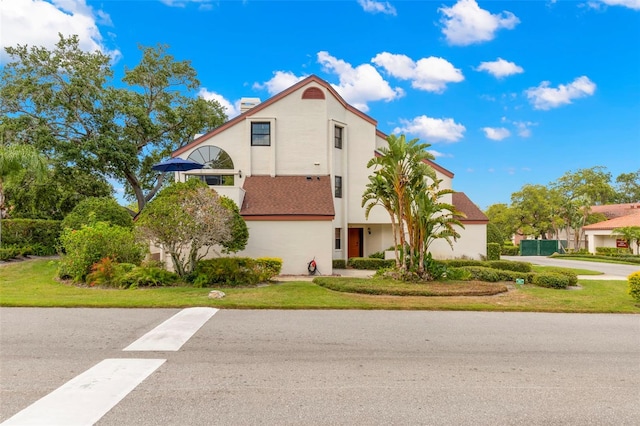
x=612 y=269
x=271 y=367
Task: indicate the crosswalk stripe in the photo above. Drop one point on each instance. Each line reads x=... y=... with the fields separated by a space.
x=174 y=332
x=86 y=398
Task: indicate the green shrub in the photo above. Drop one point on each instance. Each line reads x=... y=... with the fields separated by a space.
x=483 y=273
x=457 y=263
x=628 y=258
x=551 y=280
x=573 y=278
x=369 y=263
x=98 y=209
x=611 y=251
x=339 y=264
x=270 y=267
x=147 y=275
x=458 y=274
x=88 y=245
x=234 y=271
x=494 y=235
x=634 y=285
x=510 y=250
x=9 y=252
x=493 y=251
x=377 y=255
x=32 y=232
x=509 y=265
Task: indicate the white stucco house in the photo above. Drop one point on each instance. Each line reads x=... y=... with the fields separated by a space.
x=295 y=164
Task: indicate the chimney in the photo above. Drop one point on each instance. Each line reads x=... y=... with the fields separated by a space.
x=247 y=103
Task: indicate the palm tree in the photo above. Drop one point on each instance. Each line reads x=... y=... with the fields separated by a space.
x=397 y=166
x=629 y=233
x=13 y=158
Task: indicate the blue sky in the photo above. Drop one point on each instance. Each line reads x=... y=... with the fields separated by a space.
x=507 y=92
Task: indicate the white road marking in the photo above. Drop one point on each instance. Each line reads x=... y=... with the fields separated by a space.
x=174 y=332
x=86 y=398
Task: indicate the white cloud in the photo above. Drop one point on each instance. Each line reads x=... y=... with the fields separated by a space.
x=358 y=85
x=496 y=133
x=231 y=109
x=280 y=81
x=500 y=68
x=203 y=4
x=545 y=97
x=373 y=6
x=38 y=22
x=431 y=74
x=432 y=129
x=466 y=23
x=631 y=4
x=524 y=128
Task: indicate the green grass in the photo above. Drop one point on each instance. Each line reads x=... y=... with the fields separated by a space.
x=577 y=271
x=32 y=284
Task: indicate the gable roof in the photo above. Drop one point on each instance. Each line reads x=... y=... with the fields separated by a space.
x=287 y=198
x=630 y=219
x=240 y=118
x=462 y=203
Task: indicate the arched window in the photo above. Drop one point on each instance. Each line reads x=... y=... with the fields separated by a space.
x=212 y=157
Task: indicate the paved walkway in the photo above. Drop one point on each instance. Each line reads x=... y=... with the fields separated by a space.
x=356 y=273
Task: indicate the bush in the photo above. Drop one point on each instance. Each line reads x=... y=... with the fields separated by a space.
x=369 y=263
x=510 y=250
x=494 y=235
x=234 y=271
x=377 y=255
x=39 y=233
x=458 y=274
x=98 y=209
x=509 y=265
x=88 y=245
x=483 y=273
x=634 y=285
x=551 y=280
x=612 y=251
x=493 y=251
x=10 y=252
x=457 y=263
x=148 y=275
x=573 y=278
x=339 y=264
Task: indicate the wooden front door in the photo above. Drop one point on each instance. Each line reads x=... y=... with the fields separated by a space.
x=355 y=242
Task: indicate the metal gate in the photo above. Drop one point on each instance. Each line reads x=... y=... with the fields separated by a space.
x=539 y=247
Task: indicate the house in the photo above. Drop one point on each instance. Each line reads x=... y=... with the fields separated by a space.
x=296 y=165
x=619 y=216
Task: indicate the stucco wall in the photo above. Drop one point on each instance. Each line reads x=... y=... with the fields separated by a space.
x=295 y=242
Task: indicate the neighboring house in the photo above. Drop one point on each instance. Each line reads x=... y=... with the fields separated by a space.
x=620 y=216
x=296 y=165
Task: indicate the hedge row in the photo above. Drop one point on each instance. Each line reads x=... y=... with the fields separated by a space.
x=624 y=258
x=634 y=285
x=370 y=263
x=40 y=235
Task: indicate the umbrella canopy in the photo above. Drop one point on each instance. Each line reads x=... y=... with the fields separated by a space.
x=177 y=165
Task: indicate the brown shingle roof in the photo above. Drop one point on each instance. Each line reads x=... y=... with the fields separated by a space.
x=300 y=196
x=466 y=206
x=631 y=219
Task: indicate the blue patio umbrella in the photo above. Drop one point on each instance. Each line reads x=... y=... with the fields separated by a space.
x=177 y=165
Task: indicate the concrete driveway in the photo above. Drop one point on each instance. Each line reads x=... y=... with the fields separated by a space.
x=611 y=271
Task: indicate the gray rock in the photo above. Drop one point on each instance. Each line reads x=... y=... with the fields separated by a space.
x=216 y=294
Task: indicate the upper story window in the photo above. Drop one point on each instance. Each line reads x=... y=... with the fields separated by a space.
x=261 y=134
x=212 y=157
x=337 y=134
x=338 y=185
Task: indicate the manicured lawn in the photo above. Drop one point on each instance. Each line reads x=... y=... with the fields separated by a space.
x=32 y=284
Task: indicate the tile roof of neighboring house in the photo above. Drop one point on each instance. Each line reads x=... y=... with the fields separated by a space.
x=631 y=219
x=616 y=210
x=270 y=101
x=288 y=198
x=466 y=206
